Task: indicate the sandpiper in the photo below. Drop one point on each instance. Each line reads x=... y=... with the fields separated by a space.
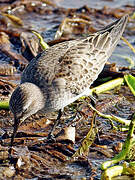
x=63 y=73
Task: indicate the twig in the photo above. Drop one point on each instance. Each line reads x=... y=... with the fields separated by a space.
x=111 y=117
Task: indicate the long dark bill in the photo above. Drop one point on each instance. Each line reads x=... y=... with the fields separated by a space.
x=16 y=125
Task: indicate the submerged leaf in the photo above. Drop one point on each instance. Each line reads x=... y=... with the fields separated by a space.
x=130 y=80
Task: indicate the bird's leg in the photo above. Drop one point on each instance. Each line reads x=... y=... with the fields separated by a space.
x=93 y=103
x=13 y=135
x=50 y=136
x=93 y=100
x=16 y=125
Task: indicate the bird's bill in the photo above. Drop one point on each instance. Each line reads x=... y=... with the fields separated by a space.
x=16 y=126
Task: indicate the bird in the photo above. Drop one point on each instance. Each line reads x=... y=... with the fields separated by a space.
x=63 y=73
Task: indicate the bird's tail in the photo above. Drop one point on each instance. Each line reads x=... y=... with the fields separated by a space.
x=115 y=30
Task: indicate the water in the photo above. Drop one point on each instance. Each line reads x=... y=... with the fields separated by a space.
x=95 y=4
x=98 y=4
x=47 y=25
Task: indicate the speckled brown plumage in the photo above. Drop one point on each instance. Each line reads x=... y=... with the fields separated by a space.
x=64 y=72
x=67 y=69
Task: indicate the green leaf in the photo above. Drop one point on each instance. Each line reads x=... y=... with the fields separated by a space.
x=4 y=104
x=43 y=44
x=130 y=80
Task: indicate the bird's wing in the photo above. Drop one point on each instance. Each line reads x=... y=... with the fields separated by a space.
x=74 y=65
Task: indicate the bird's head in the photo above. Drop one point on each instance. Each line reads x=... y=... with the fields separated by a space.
x=27 y=99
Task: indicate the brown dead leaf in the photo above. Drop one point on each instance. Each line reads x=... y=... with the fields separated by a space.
x=6 y=69
x=117 y=12
x=14 y=77
x=5 y=46
x=3 y=153
x=7 y=85
x=4 y=40
x=50 y=3
x=67 y=133
x=71 y=25
x=7 y=172
x=22 y=155
x=16 y=21
x=31 y=42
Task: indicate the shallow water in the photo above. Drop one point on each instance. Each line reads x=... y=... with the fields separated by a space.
x=94 y=4
x=47 y=25
x=98 y=4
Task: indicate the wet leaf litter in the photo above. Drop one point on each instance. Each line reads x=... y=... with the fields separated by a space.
x=32 y=157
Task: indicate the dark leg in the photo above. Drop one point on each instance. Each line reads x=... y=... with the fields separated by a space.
x=50 y=136
x=93 y=100
x=16 y=125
